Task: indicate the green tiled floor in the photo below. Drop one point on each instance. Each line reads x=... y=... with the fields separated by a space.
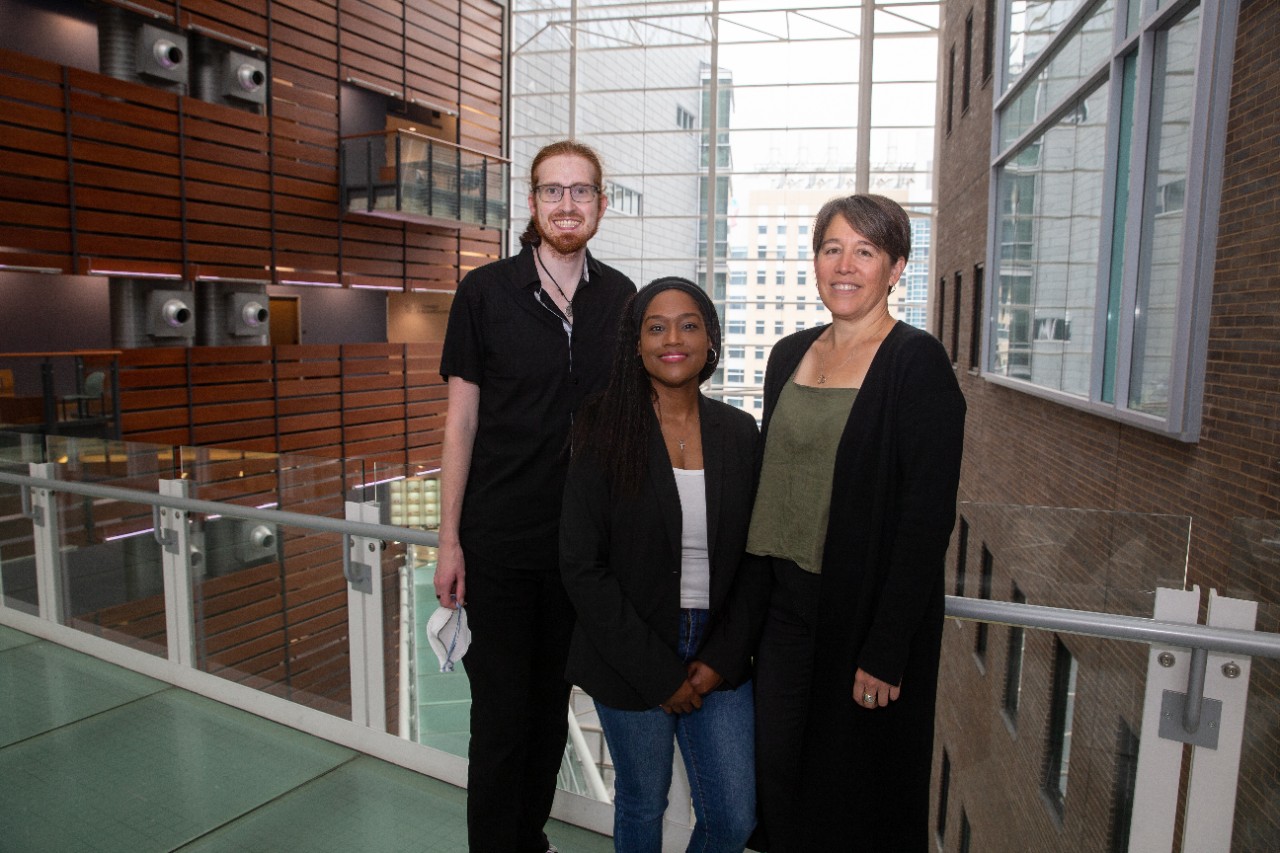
x=96 y=758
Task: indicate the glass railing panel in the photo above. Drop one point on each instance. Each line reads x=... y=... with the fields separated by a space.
x=112 y=571
x=415 y=176
x=270 y=600
x=1044 y=763
x=271 y=612
x=1250 y=570
x=17 y=550
x=1108 y=562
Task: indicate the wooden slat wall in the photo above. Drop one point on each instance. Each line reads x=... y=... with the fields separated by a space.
x=376 y=402
x=99 y=174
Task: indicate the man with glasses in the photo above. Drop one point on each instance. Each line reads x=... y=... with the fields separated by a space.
x=529 y=337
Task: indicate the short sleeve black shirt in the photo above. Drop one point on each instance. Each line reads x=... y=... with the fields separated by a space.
x=502 y=337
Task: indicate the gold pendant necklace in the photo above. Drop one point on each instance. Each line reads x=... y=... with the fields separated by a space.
x=822 y=362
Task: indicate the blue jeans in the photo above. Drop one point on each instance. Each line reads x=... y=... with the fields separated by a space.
x=718 y=746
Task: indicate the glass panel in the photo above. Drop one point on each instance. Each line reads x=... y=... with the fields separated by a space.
x=1120 y=220
x=1163 y=217
x=1107 y=562
x=786 y=139
x=1033 y=24
x=1050 y=198
x=1077 y=58
x=1250 y=566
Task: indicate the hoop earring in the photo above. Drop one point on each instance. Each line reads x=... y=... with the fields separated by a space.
x=712 y=355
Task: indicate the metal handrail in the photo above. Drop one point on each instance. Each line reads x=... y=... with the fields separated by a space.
x=1138 y=629
x=390 y=532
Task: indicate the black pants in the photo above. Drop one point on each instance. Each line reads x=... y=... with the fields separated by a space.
x=784 y=673
x=521 y=621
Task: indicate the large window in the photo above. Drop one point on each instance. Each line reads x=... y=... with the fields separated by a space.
x=1106 y=204
x=778 y=107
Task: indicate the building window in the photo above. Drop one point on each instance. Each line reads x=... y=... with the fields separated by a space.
x=966 y=78
x=737 y=327
x=799 y=325
x=760 y=350
x=951 y=83
x=944 y=790
x=1061 y=711
x=738 y=277
x=759 y=327
x=984 y=592
x=780 y=277
x=623 y=199
x=738 y=253
x=802 y=277
x=736 y=402
x=735 y=376
x=757 y=403
x=758 y=377
x=735 y=352
x=802 y=252
x=1070 y=208
x=777 y=327
x=762 y=230
x=780 y=251
x=1122 y=791
x=962 y=557
x=1013 y=665
x=684 y=118
x=760 y=276
x=955 y=319
x=988 y=39
x=941 y=308
x=800 y=303
x=975 y=319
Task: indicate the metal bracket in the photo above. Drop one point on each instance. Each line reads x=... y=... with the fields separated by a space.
x=29 y=509
x=164 y=534
x=1173 y=709
x=359 y=574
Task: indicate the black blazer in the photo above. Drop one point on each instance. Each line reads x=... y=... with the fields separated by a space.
x=620 y=559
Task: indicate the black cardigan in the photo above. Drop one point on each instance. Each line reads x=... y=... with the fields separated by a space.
x=893 y=505
x=620 y=560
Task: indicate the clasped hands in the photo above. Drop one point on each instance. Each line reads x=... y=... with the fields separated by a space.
x=700 y=679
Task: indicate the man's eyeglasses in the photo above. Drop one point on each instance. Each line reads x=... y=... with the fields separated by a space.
x=580 y=193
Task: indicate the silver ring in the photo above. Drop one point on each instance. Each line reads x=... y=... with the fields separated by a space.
x=868 y=699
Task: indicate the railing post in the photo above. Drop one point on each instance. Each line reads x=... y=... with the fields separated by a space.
x=41 y=506
x=179 y=563
x=362 y=566
x=1155 y=790
x=1215 y=773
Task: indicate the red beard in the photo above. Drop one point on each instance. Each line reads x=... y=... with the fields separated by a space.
x=565 y=244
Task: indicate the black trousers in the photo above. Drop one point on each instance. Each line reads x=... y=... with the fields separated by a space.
x=784 y=673
x=521 y=621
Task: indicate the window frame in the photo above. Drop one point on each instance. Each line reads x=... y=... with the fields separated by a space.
x=1188 y=350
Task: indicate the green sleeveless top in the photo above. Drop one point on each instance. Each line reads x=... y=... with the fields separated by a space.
x=793 y=500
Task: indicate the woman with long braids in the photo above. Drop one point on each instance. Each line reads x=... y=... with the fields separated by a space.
x=652 y=538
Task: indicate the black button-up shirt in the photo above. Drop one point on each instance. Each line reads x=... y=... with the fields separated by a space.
x=532 y=377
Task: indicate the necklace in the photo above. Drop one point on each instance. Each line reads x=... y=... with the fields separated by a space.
x=662 y=426
x=822 y=362
x=568 y=303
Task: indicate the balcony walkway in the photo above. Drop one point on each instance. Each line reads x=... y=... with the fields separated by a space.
x=97 y=758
